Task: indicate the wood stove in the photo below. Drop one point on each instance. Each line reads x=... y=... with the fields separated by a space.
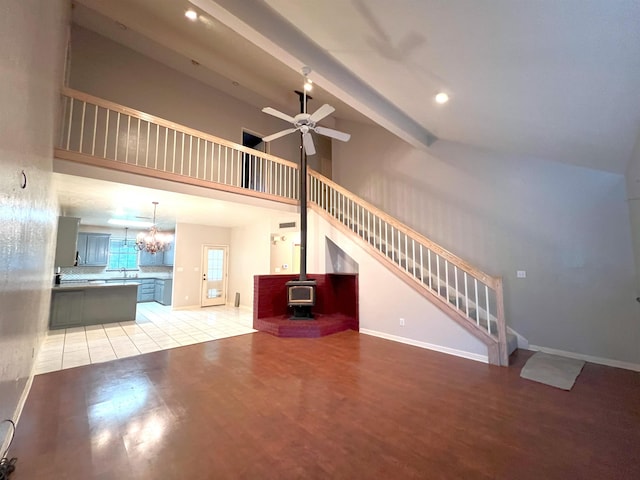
x=301 y=295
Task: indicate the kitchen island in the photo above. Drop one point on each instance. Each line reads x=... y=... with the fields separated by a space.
x=90 y=303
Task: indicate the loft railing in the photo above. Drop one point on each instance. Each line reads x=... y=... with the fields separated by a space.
x=469 y=295
x=106 y=134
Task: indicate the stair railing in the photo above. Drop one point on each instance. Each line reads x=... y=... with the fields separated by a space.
x=103 y=133
x=461 y=290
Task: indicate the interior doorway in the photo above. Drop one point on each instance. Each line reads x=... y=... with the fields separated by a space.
x=249 y=163
x=214 y=275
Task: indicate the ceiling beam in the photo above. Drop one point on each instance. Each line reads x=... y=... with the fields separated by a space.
x=260 y=24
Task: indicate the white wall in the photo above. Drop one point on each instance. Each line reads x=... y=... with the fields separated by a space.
x=384 y=299
x=568 y=227
x=633 y=196
x=108 y=70
x=187 y=263
x=249 y=256
x=32 y=35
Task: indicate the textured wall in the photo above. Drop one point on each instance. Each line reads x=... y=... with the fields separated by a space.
x=108 y=70
x=567 y=227
x=32 y=34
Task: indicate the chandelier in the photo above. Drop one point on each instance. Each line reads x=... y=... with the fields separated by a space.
x=153 y=241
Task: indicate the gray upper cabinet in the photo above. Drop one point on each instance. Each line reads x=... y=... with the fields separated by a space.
x=93 y=249
x=150 y=259
x=66 y=241
x=168 y=256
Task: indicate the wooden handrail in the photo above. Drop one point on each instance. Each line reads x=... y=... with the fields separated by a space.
x=100 y=102
x=487 y=279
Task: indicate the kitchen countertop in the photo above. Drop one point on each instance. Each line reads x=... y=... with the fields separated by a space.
x=96 y=284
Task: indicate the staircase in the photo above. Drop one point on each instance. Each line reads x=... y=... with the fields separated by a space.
x=101 y=133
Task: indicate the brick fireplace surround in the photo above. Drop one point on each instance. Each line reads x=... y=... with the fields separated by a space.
x=336 y=307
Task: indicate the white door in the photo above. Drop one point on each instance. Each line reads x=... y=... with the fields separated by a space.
x=214 y=275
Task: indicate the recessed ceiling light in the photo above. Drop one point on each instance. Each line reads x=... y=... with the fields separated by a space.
x=442 y=98
x=191 y=15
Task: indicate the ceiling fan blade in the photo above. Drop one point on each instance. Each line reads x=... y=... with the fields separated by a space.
x=279 y=114
x=322 y=112
x=329 y=132
x=273 y=136
x=307 y=141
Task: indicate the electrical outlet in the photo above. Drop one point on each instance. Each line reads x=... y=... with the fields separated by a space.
x=521 y=274
x=402 y=322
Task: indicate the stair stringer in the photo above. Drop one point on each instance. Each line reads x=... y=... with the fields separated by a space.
x=384 y=298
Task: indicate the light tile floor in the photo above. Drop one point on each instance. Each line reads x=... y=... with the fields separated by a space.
x=156 y=327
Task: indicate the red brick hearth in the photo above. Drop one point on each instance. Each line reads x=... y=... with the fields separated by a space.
x=336 y=307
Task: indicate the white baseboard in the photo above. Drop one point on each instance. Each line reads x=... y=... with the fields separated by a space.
x=186 y=307
x=522 y=342
x=587 y=358
x=429 y=346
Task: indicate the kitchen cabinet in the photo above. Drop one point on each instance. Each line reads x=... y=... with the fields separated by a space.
x=150 y=259
x=146 y=290
x=93 y=249
x=168 y=256
x=92 y=304
x=163 y=290
x=67 y=309
x=67 y=237
x=156 y=259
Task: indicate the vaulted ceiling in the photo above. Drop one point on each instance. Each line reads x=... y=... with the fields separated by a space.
x=549 y=79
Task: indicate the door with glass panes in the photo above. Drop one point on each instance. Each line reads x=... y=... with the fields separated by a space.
x=214 y=275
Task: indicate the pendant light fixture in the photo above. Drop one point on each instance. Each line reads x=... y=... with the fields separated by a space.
x=153 y=241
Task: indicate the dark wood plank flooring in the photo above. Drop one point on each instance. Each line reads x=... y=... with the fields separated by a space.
x=346 y=406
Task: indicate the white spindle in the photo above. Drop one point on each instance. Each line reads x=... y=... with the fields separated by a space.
x=393 y=245
x=475 y=280
x=466 y=295
x=226 y=153
x=421 y=265
x=106 y=134
x=95 y=127
x=446 y=277
x=204 y=160
x=84 y=110
x=413 y=256
x=117 y=136
x=126 y=152
x=438 y=273
x=146 y=159
x=406 y=252
x=486 y=296
x=182 y=147
x=70 y=124
x=429 y=261
x=138 y=142
x=455 y=275
x=173 y=159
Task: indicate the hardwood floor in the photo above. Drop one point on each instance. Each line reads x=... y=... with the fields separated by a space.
x=346 y=406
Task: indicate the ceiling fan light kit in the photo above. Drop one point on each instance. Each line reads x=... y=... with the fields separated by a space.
x=306 y=123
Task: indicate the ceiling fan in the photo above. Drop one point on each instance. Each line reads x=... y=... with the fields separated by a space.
x=306 y=123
